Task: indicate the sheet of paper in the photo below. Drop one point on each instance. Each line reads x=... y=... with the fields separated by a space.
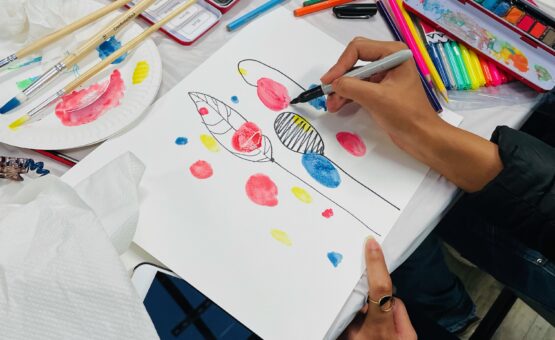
x=262 y=206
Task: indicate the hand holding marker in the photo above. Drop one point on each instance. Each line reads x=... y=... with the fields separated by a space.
x=111 y=29
x=363 y=72
x=34 y=114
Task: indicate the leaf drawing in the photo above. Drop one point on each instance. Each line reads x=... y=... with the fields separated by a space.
x=225 y=124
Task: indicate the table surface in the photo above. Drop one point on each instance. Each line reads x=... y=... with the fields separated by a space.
x=430 y=201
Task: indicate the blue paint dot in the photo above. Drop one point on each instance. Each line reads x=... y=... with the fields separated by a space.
x=181 y=141
x=335 y=258
x=321 y=169
x=318 y=103
x=108 y=47
x=235 y=99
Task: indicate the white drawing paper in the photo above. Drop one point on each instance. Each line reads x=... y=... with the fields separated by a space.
x=262 y=206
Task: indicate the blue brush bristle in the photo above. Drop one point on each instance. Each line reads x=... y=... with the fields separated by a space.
x=12 y=104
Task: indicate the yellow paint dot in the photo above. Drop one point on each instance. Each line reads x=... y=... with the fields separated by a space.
x=301 y=194
x=209 y=143
x=302 y=123
x=281 y=236
x=243 y=71
x=141 y=72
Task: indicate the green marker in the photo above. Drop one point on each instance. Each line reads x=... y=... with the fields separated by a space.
x=311 y=2
x=460 y=64
x=453 y=65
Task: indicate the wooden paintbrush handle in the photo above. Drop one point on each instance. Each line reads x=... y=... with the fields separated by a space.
x=109 y=30
x=126 y=48
x=74 y=26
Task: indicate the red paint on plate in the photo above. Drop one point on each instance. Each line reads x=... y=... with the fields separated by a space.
x=262 y=190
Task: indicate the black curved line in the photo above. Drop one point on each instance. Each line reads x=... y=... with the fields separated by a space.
x=329 y=199
x=293 y=135
x=365 y=186
x=268 y=66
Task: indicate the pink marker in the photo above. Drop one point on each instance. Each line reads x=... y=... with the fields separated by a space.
x=409 y=39
x=495 y=75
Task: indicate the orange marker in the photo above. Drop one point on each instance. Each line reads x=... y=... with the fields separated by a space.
x=299 y=12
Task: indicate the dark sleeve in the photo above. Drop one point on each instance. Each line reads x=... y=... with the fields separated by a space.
x=521 y=198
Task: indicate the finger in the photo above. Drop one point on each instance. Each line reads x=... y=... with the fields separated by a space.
x=379 y=281
x=335 y=102
x=360 y=91
x=401 y=319
x=360 y=49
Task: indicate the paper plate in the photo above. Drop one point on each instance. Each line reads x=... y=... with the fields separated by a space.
x=140 y=72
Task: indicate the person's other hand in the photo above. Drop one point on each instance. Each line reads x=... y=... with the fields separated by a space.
x=373 y=322
x=395 y=98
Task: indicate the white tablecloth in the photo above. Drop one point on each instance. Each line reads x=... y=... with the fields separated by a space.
x=432 y=198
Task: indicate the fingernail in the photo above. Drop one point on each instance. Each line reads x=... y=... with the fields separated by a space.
x=371 y=243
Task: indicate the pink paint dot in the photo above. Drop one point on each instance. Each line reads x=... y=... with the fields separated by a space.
x=262 y=190
x=272 y=94
x=247 y=138
x=327 y=213
x=201 y=169
x=203 y=111
x=352 y=143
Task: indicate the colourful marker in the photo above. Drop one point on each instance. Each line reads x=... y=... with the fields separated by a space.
x=245 y=19
x=454 y=66
x=445 y=62
x=494 y=74
x=477 y=67
x=436 y=58
x=409 y=39
x=487 y=72
x=460 y=64
x=311 y=2
x=474 y=80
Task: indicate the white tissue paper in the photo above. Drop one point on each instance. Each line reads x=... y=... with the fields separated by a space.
x=60 y=276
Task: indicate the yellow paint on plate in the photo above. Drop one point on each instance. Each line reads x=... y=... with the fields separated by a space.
x=301 y=194
x=243 y=71
x=141 y=72
x=209 y=143
x=281 y=236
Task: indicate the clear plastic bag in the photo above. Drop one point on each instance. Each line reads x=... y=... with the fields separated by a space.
x=508 y=94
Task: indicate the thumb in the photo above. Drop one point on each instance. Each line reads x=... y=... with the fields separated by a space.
x=360 y=91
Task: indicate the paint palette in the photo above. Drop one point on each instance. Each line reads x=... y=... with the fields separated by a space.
x=104 y=106
x=514 y=51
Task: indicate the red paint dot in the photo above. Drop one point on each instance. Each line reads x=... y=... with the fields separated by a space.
x=201 y=169
x=352 y=143
x=247 y=138
x=262 y=190
x=327 y=213
x=203 y=111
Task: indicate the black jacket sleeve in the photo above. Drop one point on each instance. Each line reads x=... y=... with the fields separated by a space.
x=521 y=198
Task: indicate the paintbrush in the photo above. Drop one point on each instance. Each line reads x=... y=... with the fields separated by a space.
x=34 y=113
x=109 y=30
x=62 y=32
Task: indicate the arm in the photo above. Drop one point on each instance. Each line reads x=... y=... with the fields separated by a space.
x=398 y=103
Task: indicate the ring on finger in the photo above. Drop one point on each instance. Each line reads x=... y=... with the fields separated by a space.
x=385 y=303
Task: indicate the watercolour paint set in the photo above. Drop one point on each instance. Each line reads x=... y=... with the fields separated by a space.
x=192 y=24
x=501 y=36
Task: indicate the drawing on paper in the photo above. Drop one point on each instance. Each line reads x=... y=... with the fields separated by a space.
x=299 y=136
x=273 y=87
x=245 y=140
x=12 y=168
x=201 y=169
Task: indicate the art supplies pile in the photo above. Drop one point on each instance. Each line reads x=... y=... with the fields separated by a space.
x=274 y=198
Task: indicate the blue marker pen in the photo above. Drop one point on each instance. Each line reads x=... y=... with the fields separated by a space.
x=253 y=14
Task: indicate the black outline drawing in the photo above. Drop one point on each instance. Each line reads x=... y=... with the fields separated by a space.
x=261 y=155
x=299 y=139
x=298 y=135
